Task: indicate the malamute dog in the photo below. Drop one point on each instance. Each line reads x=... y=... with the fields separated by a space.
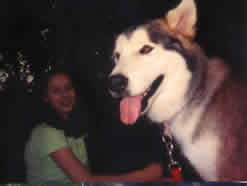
x=161 y=72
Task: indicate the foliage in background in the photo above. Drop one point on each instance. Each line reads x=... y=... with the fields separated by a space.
x=18 y=68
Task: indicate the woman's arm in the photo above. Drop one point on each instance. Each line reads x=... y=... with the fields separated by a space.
x=70 y=165
x=152 y=172
x=77 y=172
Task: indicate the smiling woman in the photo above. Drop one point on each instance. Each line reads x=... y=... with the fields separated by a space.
x=64 y=128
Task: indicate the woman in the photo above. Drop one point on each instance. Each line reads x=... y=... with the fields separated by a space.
x=56 y=150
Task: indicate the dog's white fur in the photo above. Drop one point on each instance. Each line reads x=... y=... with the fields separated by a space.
x=171 y=104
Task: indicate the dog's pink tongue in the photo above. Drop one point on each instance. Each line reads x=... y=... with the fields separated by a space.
x=130 y=109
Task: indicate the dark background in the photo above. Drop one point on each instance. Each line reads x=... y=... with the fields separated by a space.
x=81 y=36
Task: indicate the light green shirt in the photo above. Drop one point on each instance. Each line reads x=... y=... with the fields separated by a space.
x=41 y=168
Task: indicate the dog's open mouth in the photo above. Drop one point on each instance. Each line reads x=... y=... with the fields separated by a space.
x=132 y=106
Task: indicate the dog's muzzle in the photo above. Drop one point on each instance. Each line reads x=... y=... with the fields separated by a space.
x=118 y=84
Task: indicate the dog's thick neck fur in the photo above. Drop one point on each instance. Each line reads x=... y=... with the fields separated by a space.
x=208 y=75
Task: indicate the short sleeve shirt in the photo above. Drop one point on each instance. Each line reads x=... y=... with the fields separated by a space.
x=41 y=168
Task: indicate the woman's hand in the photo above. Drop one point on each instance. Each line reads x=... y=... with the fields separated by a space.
x=150 y=173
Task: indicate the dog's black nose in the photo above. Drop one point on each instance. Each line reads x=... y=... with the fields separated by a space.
x=118 y=83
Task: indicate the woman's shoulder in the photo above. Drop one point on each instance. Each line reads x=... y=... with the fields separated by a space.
x=43 y=126
x=47 y=138
x=44 y=130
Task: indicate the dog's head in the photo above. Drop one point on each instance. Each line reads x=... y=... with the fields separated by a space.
x=152 y=69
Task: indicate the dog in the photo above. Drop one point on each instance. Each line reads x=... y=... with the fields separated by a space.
x=161 y=71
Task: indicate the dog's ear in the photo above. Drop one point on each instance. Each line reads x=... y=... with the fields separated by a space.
x=182 y=19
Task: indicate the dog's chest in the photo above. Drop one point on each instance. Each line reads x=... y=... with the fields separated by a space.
x=201 y=151
x=202 y=155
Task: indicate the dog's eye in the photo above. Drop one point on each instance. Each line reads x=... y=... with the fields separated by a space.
x=116 y=56
x=146 y=49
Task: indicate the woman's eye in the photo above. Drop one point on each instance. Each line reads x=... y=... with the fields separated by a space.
x=55 y=91
x=146 y=49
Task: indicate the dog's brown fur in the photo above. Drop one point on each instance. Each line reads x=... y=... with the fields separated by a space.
x=227 y=108
x=215 y=104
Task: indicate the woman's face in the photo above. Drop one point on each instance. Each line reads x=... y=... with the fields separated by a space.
x=61 y=94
